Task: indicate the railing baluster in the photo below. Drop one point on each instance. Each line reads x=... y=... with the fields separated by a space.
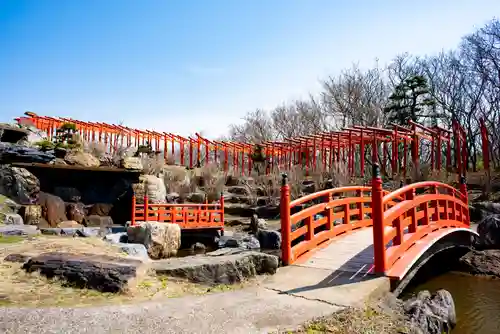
x=146 y=208
x=310 y=229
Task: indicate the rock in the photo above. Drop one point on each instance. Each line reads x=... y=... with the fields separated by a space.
x=308 y=187
x=50 y=231
x=269 y=239
x=19 y=184
x=80 y=158
x=76 y=212
x=116 y=238
x=173 y=197
x=268 y=211
x=196 y=197
x=19 y=258
x=135 y=250
x=22 y=230
x=105 y=159
x=153 y=186
x=489 y=233
x=432 y=314
x=162 y=240
x=239 y=240
x=12 y=133
x=481 y=210
x=100 y=209
x=19 y=153
x=99 y=272
x=53 y=209
x=238 y=209
x=213 y=270
x=8 y=206
x=239 y=190
x=11 y=219
x=60 y=161
x=88 y=232
x=486 y=262
x=198 y=247
x=98 y=221
x=68 y=194
x=133 y=163
x=69 y=224
x=232 y=181
x=257 y=223
x=31 y=214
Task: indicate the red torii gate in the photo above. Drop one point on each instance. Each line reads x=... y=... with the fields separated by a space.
x=329 y=147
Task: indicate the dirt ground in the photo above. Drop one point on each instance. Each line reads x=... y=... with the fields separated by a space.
x=18 y=288
x=366 y=320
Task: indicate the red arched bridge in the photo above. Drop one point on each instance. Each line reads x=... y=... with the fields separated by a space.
x=367 y=230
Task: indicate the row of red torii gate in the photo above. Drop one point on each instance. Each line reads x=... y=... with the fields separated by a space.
x=395 y=148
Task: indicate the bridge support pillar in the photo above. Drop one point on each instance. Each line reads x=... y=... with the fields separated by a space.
x=286 y=228
x=378 y=221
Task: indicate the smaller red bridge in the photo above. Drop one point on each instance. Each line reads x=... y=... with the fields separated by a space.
x=393 y=230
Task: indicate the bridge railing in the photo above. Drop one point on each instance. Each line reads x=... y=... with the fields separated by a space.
x=428 y=207
x=312 y=220
x=187 y=216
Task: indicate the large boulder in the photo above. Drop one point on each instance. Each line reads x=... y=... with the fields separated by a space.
x=11 y=219
x=98 y=221
x=431 y=314
x=80 y=158
x=198 y=197
x=20 y=153
x=21 y=230
x=100 y=209
x=269 y=239
x=239 y=240
x=239 y=190
x=19 y=184
x=489 y=233
x=162 y=240
x=481 y=210
x=53 y=209
x=32 y=214
x=486 y=262
x=218 y=269
x=8 y=205
x=132 y=163
x=153 y=187
x=239 y=209
x=76 y=212
x=99 y=272
x=257 y=223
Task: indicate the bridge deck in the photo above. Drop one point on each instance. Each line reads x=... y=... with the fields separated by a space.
x=339 y=274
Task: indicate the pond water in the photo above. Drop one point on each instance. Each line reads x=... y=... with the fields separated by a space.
x=477 y=301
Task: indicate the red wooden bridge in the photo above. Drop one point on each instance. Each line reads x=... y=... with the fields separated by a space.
x=369 y=231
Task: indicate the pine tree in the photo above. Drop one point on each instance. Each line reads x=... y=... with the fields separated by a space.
x=409 y=101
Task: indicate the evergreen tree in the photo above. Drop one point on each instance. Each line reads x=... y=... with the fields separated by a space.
x=409 y=101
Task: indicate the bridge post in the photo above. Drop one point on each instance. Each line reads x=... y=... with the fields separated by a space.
x=378 y=221
x=286 y=228
x=463 y=191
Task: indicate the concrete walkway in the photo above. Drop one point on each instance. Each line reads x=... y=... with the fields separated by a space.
x=329 y=281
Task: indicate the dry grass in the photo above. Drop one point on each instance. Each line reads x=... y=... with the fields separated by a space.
x=212 y=180
x=357 y=321
x=18 y=288
x=152 y=164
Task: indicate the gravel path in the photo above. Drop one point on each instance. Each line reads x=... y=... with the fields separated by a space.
x=254 y=310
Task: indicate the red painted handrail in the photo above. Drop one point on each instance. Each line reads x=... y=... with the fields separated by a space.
x=399 y=219
x=187 y=216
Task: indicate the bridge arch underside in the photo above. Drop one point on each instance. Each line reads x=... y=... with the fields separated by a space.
x=440 y=257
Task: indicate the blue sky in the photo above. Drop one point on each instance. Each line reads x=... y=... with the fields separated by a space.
x=197 y=65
